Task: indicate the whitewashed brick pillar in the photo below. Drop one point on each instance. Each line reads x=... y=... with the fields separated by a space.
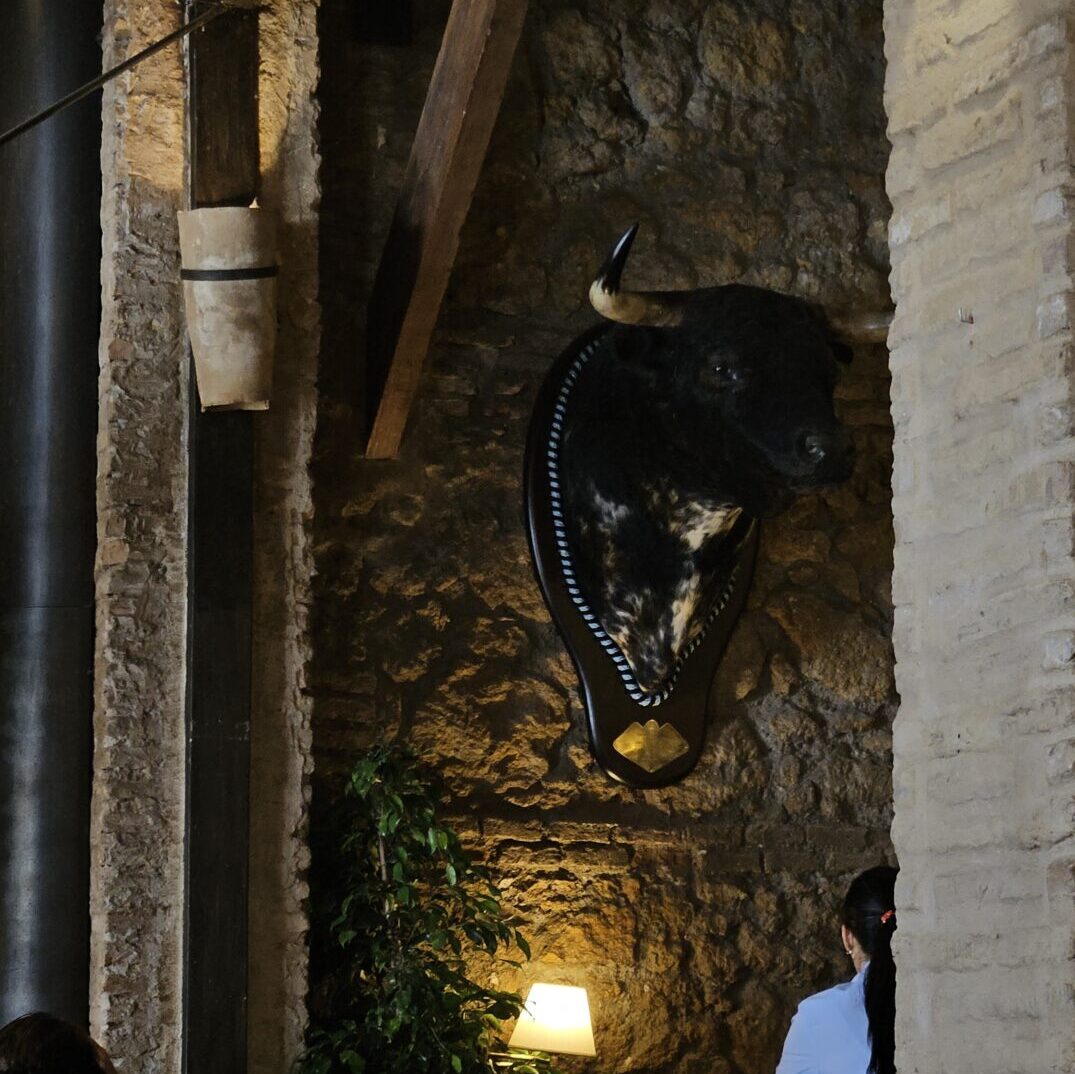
x=979 y=99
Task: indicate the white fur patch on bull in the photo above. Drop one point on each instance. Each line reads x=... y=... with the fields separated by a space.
x=651 y=628
x=627 y=627
x=696 y=523
x=610 y=515
x=683 y=610
x=645 y=620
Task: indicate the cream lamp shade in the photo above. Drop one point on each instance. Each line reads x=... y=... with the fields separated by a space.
x=555 y=1018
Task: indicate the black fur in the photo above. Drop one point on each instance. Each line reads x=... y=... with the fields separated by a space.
x=720 y=412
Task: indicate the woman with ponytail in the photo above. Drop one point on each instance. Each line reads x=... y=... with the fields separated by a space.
x=849 y=1029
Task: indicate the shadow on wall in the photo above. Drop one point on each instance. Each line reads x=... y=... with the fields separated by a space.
x=749 y=140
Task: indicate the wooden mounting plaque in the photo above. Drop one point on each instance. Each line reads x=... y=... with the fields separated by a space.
x=643 y=741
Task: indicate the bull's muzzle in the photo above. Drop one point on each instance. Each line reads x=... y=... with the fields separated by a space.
x=828 y=455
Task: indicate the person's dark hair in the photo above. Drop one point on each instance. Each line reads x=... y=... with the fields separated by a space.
x=42 y=1044
x=870 y=914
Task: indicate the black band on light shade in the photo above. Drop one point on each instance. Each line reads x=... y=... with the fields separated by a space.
x=228 y=273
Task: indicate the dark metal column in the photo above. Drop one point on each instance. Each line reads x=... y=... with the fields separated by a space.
x=50 y=260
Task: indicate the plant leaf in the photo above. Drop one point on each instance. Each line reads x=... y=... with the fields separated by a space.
x=353 y=1061
x=408 y=911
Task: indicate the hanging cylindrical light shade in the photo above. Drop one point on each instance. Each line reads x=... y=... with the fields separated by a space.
x=229 y=288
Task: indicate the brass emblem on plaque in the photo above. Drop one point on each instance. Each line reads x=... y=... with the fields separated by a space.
x=651 y=746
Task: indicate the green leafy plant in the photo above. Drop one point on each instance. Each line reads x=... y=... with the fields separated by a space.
x=409 y=914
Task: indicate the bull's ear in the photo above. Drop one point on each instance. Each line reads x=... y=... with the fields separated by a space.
x=842 y=352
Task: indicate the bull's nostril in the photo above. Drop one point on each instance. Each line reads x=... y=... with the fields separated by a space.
x=814 y=447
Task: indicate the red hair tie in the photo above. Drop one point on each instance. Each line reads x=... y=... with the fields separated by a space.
x=887 y=916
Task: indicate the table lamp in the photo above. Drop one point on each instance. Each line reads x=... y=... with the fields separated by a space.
x=555 y=1018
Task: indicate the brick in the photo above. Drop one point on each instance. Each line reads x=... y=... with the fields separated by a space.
x=967 y=784
x=904 y=167
x=1051 y=207
x=1051 y=94
x=1054 y=315
x=1060 y=762
x=1058 y=544
x=1055 y=258
x=908 y=115
x=930 y=48
x=961 y=136
x=971 y=20
x=994 y=72
x=1058 y=649
x=976 y=292
x=978 y=237
x=1018 y=380
x=1049 y=37
x=993 y=181
x=918 y=220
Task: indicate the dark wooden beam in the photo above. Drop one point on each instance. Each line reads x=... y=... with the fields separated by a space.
x=223 y=122
x=224 y=110
x=453 y=134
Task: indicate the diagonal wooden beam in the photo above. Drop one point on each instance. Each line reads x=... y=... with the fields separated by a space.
x=453 y=134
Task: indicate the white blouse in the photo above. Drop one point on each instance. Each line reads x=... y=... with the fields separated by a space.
x=829 y=1033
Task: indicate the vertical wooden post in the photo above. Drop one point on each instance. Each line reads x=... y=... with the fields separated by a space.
x=223 y=130
x=449 y=147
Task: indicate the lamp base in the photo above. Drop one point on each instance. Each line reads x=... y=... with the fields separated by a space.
x=520 y=1061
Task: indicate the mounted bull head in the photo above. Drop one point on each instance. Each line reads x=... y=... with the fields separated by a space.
x=657 y=442
x=739 y=382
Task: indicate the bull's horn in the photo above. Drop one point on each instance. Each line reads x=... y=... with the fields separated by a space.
x=862 y=327
x=631 y=307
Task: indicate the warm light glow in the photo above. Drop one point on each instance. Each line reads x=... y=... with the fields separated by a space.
x=555 y=1018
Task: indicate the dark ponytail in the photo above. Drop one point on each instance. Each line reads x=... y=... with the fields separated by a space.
x=870 y=914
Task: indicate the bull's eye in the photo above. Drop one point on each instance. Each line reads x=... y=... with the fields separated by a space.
x=727 y=374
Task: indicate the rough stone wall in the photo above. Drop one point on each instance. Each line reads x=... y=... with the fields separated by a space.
x=979 y=97
x=748 y=139
x=136 y=899
x=280 y=741
x=138 y=807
